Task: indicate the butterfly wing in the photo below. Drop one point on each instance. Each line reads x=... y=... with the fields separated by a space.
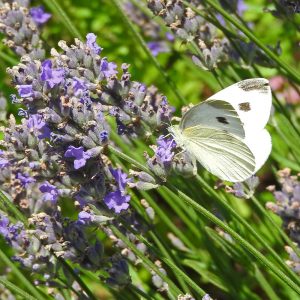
x=252 y=100
x=220 y=152
x=216 y=114
x=260 y=145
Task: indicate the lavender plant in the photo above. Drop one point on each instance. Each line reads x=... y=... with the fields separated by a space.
x=74 y=212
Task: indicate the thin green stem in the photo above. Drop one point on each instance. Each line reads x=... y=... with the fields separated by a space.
x=155 y=62
x=174 y=290
x=246 y=245
x=289 y=70
x=56 y=8
x=23 y=280
x=15 y=289
x=220 y=199
x=77 y=278
x=12 y=208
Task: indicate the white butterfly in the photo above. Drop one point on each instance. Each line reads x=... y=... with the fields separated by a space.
x=226 y=132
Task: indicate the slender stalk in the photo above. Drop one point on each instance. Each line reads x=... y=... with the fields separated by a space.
x=289 y=70
x=77 y=278
x=139 y=292
x=15 y=289
x=172 y=260
x=219 y=198
x=12 y=208
x=58 y=10
x=23 y=280
x=263 y=282
x=155 y=62
x=174 y=290
x=246 y=245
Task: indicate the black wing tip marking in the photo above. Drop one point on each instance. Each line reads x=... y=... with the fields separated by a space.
x=222 y=120
x=254 y=84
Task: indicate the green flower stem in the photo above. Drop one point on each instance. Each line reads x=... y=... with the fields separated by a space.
x=9 y=59
x=155 y=62
x=59 y=11
x=77 y=278
x=186 y=278
x=165 y=218
x=186 y=215
x=170 y=264
x=15 y=289
x=23 y=280
x=264 y=284
x=171 y=260
x=139 y=292
x=223 y=202
x=12 y=208
x=155 y=237
x=247 y=246
x=174 y=290
x=289 y=70
x=275 y=226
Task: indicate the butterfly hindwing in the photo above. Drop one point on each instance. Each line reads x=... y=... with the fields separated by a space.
x=221 y=153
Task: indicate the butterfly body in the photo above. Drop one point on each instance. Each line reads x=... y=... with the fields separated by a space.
x=226 y=132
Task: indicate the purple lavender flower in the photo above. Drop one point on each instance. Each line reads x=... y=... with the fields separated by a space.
x=38 y=125
x=25 y=179
x=108 y=68
x=25 y=90
x=3 y=162
x=92 y=44
x=50 y=192
x=104 y=136
x=79 y=154
x=52 y=76
x=39 y=15
x=164 y=153
x=157 y=47
x=85 y=218
x=4 y=222
x=121 y=179
x=79 y=86
x=117 y=201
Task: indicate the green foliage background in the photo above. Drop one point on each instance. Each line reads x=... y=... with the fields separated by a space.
x=225 y=269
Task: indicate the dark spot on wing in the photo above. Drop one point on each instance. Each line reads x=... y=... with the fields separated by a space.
x=222 y=120
x=245 y=106
x=254 y=84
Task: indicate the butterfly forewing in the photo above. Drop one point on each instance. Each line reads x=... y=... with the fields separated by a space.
x=252 y=99
x=217 y=114
x=221 y=153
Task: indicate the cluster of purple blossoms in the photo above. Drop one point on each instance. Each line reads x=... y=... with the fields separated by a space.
x=287 y=203
x=287 y=206
x=157 y=40
x=214 y=48
x=21 y=27
x=57 y=154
